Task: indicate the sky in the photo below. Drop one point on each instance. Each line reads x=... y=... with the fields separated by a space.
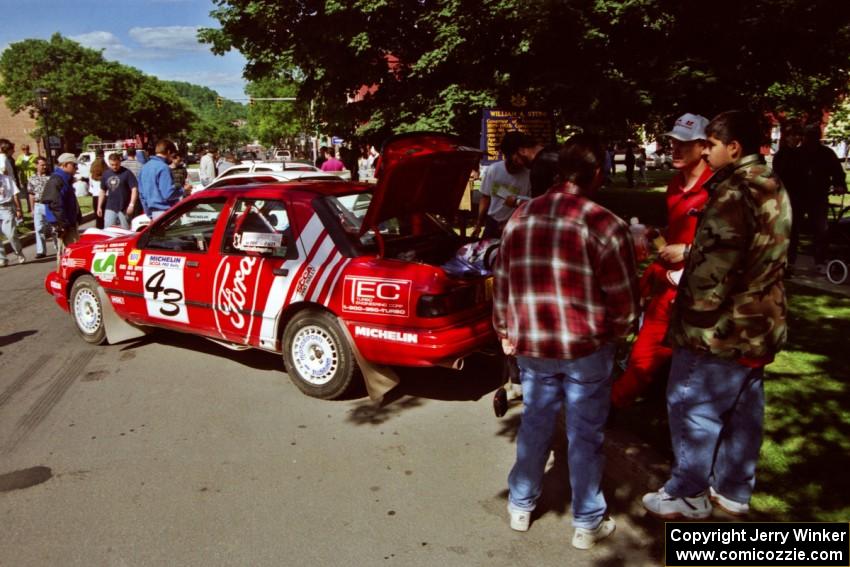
x=158 y=37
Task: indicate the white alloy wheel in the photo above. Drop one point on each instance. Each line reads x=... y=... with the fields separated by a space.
x=315 y=355
x=87 y=311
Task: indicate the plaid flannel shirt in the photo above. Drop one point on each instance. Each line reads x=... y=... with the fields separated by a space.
x=565 y=280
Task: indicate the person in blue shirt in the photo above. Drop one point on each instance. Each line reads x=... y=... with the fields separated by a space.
x=156 y=186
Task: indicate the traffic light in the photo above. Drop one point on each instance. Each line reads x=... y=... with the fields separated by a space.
x=218 y=102
x=250 y=101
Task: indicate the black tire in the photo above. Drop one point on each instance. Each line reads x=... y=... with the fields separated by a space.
x=87 y=310
x=317 y=357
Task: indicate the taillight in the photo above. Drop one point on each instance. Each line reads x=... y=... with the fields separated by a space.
x=443 y=304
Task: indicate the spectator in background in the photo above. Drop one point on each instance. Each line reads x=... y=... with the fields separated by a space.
x=180 y=174
x=35 y=188
x=629 y=161
x=25 y=165
x=119 y=192
x=348 y=156
x=640 y=161
x=132 y=163
x=10 y=215
x=98 y=166
x=565 y=291
x=331 y=163
x=7 y=163
x=364 y=164
x=207 y=169
x=822 y=174
x=320 y=159
x=506 y=183
x=156 y=186
x=226 y=162
x=61 y=209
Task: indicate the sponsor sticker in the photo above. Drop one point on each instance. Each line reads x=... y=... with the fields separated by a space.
x=56 y=285
x=134 y=257
x=386 y=335
x=304 y=281
x=376 y=296
x=162 y=261
x=73 y=262
x=117 y=299
x=103 y=265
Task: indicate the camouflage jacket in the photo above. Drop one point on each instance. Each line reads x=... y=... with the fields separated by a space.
x=731 y=299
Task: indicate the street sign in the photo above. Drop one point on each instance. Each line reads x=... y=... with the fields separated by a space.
x=336 y=141
x=494 y=123
x=54 y=142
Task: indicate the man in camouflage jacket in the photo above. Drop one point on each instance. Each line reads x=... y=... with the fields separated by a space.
x=728 y=323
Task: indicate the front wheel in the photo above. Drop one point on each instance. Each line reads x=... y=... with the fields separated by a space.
x=836 y=272
x=317 y=356
x=87 y=311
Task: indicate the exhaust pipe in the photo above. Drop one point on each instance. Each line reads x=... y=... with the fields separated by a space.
x=454 y=364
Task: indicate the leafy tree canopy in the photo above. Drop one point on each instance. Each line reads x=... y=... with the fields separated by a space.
x=89 y=95
x=214 y=125
x=608 y=65
x=275 y=121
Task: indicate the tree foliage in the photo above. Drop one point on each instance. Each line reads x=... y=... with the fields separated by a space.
x=89 y=95
x=213 y=125
x=277 y=122
x=608 y=65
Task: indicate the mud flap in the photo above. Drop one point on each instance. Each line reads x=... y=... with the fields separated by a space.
x=117 y=329
x=379 y=379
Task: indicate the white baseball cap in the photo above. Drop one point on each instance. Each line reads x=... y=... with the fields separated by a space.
x=66 y=158
x=689 y=127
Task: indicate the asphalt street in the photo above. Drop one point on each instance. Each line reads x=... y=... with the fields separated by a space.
x=173 y=450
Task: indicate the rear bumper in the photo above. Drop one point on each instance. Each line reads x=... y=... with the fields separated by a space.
x=57 y=287
x=403 y=346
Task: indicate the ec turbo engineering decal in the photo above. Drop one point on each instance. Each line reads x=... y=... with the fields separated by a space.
x=376 y=296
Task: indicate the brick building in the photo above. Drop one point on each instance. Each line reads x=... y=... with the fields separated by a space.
x=18 y=128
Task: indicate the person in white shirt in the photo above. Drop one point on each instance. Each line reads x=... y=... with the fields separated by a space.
x=207 y=166
x=506 y=184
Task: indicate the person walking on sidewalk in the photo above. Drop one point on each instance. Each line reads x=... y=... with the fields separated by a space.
x=728 y=322
x=10 y=215
x=35 y=188
x=25 y=165
x=61 y=209
x=686 y=197
x=565 y=292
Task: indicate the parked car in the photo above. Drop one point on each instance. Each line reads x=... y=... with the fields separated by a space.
x=282 y=155
x=280 y=166
x=659 y=160
x=342 y=279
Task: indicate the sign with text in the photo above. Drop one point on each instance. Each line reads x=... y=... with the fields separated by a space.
x=494 y=123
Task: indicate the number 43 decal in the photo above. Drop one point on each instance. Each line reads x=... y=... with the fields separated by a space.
x=170 y=296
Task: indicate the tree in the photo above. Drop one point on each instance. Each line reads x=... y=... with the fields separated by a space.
x=212 y=125
x=607 y=65
x=273 y=122
x=89 y=95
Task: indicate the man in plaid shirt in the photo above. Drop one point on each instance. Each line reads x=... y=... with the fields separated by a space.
x=565 y=292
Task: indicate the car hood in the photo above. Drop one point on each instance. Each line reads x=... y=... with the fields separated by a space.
x=420 y=172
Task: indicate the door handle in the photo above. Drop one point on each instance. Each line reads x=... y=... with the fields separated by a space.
x=192 y=264
x=281 y=272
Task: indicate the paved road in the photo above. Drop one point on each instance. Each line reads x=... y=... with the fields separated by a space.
x=176 y=451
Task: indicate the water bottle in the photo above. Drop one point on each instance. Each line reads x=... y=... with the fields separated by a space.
x=639 y=237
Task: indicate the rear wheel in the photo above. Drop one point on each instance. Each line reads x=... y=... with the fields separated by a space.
x=87 y=311
x=317 y=356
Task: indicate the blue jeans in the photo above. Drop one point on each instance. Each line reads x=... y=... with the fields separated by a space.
x=39 y=220
x=716 y=411
x=585 y=385
x=115 y=218
x=8 y=224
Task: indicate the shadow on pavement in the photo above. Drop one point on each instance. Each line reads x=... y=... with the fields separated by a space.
x=15 y=337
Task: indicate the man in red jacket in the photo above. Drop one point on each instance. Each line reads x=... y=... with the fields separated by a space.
x=686 y=197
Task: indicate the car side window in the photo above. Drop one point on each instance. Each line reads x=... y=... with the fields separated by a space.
x=190 y=231
x=259 y=227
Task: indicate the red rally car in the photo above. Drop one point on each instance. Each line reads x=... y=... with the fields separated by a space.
x=343 y=279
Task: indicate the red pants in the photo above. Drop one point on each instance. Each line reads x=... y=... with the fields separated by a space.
x=648 y=351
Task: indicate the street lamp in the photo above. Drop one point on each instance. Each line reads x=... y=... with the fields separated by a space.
x=42 y=101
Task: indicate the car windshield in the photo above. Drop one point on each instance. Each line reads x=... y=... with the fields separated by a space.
x=350 y=211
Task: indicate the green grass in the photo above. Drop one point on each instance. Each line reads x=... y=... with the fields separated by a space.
x=26 y=225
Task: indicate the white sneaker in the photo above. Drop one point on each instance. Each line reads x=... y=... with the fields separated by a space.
x=21 y=259
x=584 y=538
x=731 y=507
x=666 y=507
x=520 y=519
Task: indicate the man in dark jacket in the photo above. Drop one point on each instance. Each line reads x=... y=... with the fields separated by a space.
x=62 y=211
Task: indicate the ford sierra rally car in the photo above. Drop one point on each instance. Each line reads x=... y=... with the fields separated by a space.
x=343 y=279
